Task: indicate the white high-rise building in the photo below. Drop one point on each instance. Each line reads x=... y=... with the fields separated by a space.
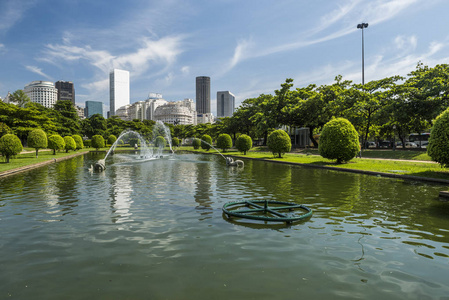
x=42 y=92
x=225 y=104
x=118 y=90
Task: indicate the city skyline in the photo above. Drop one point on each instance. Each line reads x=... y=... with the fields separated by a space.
x=165 y=45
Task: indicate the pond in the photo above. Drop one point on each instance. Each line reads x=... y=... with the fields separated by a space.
x=156 y=230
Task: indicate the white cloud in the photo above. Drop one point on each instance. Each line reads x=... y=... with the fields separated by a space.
x=100 y=85
x=185 y=70
x=12 y=12
x=2 y=48
x=158 y=54
x=406 y=43
x=37 y=70
x=335 y=24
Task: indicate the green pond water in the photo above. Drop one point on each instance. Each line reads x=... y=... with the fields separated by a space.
x=156 y=230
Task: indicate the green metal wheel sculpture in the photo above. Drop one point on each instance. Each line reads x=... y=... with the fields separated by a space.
x=273 y=211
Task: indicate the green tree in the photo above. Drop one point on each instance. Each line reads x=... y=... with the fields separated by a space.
x=111 y=139
x=10 y=146
x=279 y=142
x=4 y=129
x=79 y=141
x=67 y=117
x=95 y=125
x=196 y=143
x=339 y=140
x=37 y=139
x=244 y=143
x=20 y=98
x=368 y=101
x=97 y=141
x=224 y=141
x=70 y=144
x=56 y=142
x=175 y=142
x=160 y=142
x=206 y=142
x=438 y=148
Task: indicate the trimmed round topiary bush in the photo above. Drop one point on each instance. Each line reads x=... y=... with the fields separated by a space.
x=112 y=139
x=37 y=139
x=70 y=143
x=339 y=140
x=10 y=146
x=244 y=143
x=224 y=141
x=206 y=142
x=79 y=141
x=160 y=142
x=97 y=141
x=438 y=148
x=279 y=142
x=175 y=142
x=196 y=143
x=55 y=142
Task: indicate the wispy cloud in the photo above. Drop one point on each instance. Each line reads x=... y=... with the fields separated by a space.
x=406 y=43
x=12 y=12
x=334 y=24
x=2 y=48
x=38 y=71
x=159 y=54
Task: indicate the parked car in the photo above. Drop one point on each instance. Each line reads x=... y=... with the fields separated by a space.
x=385 y=144
x=410 y=145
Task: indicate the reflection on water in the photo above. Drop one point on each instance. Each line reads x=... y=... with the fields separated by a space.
x=155 y=229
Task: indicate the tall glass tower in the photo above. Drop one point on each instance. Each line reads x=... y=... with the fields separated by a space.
x=118 y=90
x=225 y=104
x=203 y=95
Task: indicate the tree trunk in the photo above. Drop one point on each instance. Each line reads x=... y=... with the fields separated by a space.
x=314 y=142
x=37 y=150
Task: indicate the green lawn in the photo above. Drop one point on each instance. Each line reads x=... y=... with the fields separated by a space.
x=373 y=160
x=26 y=159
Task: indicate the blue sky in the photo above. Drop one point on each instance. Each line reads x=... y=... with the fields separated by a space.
x=247 y=47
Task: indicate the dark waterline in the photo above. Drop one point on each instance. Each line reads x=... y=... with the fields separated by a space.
x=155 y=230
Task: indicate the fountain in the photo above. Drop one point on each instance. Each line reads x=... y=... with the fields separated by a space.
x=146 y=152
x=229 y=160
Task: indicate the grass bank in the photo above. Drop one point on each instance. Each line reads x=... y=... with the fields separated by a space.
x=411 y=163
x=26 y=159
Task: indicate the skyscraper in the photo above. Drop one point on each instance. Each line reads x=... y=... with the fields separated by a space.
x=118 y=90
x=92 y=108
x=66 y=90
x=225 y=104
x=203 y=95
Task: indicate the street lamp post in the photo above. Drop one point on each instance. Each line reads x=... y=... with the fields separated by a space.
x=361 y=26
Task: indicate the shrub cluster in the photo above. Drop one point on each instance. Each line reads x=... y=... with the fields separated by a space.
x=224 y=142
x=279 y=142
x=196 y=143
x=206 y=142
x=10 y=145
x=438 y=148
x=244 y=143
x=339 y=140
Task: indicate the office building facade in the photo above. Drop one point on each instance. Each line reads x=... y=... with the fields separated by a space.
x=92 y=108
x=203 y=94
x=225 y=104
x=118 y=90
x=42 y=92
x=66 y=90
